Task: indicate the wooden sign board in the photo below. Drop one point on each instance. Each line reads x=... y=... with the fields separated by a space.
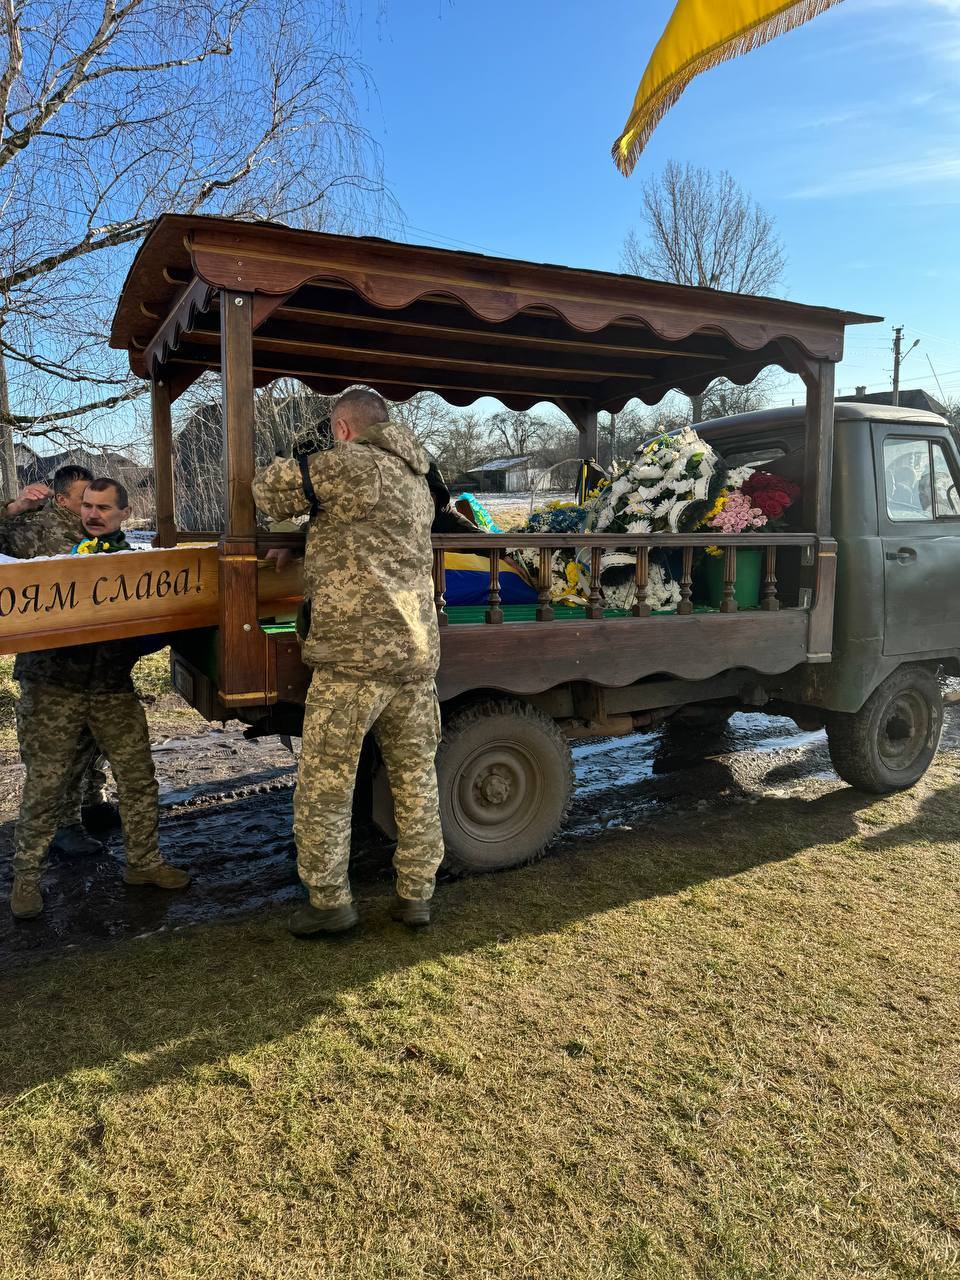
x=68 y=600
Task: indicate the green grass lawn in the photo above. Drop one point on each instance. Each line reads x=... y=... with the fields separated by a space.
x=722 y=1048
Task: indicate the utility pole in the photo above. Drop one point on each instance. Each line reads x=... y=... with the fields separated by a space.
x=899 y=358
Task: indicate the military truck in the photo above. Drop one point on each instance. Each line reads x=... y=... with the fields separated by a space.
x=852 y=628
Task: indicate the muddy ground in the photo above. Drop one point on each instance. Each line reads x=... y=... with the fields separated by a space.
x=226 y=814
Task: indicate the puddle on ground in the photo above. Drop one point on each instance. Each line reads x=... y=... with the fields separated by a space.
x=235 y=835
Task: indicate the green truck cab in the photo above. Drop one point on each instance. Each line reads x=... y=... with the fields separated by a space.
x=895 y=515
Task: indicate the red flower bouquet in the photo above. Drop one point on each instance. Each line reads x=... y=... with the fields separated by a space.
x=771 y=493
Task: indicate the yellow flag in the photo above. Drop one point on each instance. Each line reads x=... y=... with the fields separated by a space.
x=700 y=34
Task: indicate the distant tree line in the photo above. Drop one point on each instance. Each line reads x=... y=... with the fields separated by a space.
x=458 y=439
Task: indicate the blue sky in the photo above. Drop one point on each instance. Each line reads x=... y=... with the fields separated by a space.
x=496 y=119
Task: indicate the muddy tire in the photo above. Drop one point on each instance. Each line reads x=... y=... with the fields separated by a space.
x=889 y=744
x=505 y=777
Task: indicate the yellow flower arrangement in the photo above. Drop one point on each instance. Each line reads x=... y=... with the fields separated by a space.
x=719 y=504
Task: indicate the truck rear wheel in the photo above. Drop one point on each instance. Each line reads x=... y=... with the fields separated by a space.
x=505 y=777
x=890 y=742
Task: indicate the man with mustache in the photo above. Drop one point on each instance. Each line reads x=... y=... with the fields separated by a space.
x=64 y=692
x=42 y=521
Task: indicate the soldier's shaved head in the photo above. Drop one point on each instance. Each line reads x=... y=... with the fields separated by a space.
x=357 y=409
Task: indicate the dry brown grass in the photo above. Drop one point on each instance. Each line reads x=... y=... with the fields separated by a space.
x=724 y=1047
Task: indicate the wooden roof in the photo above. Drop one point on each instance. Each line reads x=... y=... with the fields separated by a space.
x=337 y=310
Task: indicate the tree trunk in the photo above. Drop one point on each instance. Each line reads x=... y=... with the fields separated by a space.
x=696 y=408
x=8 y=462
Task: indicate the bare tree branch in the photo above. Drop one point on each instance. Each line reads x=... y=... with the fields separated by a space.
x=91 y=243
x=111 y=113
x=702 y=229
x=109 y=402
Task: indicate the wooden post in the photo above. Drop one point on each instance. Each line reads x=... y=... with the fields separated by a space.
x=818 y=473
x=585 y=420
x=544 y=586
x=247 y=661
x=594 y=599
x=494 y=611
x=728 y=604
x=768 y=598
x=236 y=367
x=589 y=444
x=166 y=535
x=686 y=582
x=641 y=605
x=440 y=586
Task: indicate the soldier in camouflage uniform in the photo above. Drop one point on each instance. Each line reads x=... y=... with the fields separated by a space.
x=31 y=526
x=374 y=646
x=62 y=693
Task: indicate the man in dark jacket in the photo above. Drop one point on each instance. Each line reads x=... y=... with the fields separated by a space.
x=42 y=521
x=86 y=687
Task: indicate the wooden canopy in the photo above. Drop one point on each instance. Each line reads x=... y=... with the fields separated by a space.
x=336 y=310
x=259 y=301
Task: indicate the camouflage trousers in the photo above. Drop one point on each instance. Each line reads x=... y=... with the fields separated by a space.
x=51 y=722
x=86 y=782
x=405 y=719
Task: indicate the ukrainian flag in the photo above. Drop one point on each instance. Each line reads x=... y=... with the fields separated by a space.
x=468 y=580
x=699 y=35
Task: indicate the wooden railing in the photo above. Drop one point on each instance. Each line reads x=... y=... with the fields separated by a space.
x=496 y=546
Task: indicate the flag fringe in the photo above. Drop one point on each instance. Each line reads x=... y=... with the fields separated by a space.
x=657 y=104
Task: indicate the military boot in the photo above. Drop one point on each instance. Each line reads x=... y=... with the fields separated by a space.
x=101 y=816
x=411 y=911
x=73 y=842
x=309 y=920
x=26 y=900
x=162 y=876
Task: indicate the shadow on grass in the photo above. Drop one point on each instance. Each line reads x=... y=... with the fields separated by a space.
x=937 y=818
x=153 y=1010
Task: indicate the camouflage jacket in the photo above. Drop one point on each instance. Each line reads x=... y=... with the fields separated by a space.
x=102 y=668
x=367 y=570
x=50 y=531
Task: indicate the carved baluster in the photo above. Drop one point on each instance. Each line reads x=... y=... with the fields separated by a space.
x=594 y=603
x=440 y=586
x=729 y=602
x=494 y=612
x=544 y=608
x=769 y=598
x=641 y=605
x=686 y=582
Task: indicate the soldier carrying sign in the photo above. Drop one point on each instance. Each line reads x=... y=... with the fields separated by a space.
x=65 y=693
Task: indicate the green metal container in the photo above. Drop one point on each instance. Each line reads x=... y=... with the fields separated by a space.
x=747 y=588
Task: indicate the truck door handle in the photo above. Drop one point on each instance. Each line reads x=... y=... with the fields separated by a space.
x=903 y=555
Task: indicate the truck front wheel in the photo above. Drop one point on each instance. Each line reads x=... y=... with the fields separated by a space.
x=890 y=742
x=505 y=777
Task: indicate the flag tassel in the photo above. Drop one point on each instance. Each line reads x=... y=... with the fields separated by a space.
x=631 y=142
